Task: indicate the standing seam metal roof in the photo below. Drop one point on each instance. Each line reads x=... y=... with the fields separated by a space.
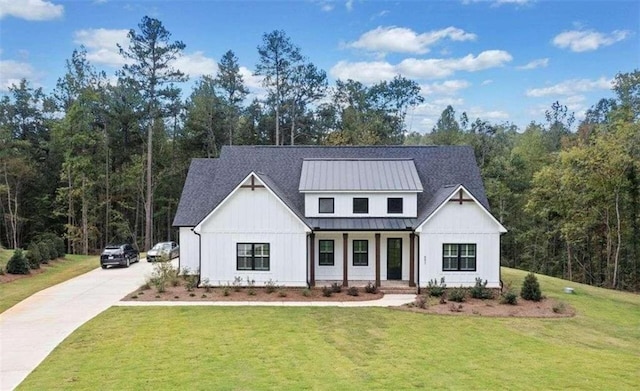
x=359 y=175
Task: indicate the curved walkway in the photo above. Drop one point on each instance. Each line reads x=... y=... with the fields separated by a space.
x=31 y=329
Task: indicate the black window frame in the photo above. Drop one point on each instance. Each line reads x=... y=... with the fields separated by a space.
x=364 y=210
x=360 y=253
x=333 y=204
x=329 y=256
x=253 y=257
x=390 y=200
x=459 y=257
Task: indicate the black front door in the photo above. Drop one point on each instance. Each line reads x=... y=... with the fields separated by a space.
x=394 y=259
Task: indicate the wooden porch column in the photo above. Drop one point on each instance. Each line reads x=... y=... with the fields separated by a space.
x=377 y=260
x=412 y=259
x=345 y=259
x=312 y=259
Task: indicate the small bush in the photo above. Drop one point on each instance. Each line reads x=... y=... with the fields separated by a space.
x=480 y=290
x=352 y=291
x=192 y=294
x=306 y=292
x=455 y=307
x=371 y=288
x=191 y=282
x=336 y=288
x=206 y=285
x=270 y=286
x=531 y=288
x=282 y=293
x=18 y=264
x=145 y=286
x=458 y=295
x=252 y=287
x=436 y=289
x=237 y=283
x=559 y=308
x=58 y=243
x=326 y=291
x=33 y=256
x=163 y=274
x=225 y=291
x=509 y=297
x=45 y=253
x=421 y=302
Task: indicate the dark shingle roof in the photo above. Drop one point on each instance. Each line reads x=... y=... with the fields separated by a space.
x=210 y=181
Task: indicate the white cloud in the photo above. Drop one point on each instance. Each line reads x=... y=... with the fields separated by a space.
x=486 y=82
x=375 y=71
x=571 y=87
x=349 y=5
x=31 y=9
x=539 y=63
x=102 y=46
x=498 y=3
x=486 y=115
x=403 y=40
x=448 y=87
x=588 y=40
x=196 y=64
x=11 y=72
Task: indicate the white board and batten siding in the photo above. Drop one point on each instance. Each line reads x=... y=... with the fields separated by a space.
x=455 y=223
x=253 y=216
x=343 y=204
x=189 y=250
x=359 y=273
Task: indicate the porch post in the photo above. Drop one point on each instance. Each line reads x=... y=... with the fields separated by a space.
x=312 y=259
x=377 y=260
x=345 y=259
x=412 y=257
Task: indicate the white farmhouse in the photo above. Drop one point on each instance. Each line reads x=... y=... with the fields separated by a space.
x=305 y=216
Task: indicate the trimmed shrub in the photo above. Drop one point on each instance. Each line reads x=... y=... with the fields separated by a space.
x=336 y=288
x=458 y=295
x=53 y=252
x=531 y=288
x=270 y=286
x=326 y=291
x=371 y=288
x=44 y=252
x=480 y=290
x=421 y=302
x=58 y=243
x=509 y=297
x=436 y=289
x=352 y=291
x=18 y=264
x=33 y=256
x=306 y=292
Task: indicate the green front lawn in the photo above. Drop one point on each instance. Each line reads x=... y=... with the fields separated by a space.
x=290 y=348
x=11 y=293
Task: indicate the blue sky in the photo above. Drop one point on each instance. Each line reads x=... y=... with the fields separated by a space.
x=502 y=60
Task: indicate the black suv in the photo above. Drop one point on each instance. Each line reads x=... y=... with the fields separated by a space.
x=119 y=255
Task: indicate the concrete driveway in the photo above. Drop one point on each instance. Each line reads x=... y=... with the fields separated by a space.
x=31 y=329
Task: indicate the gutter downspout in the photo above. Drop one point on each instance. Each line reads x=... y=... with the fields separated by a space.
x=199 y=253
x=418 y=258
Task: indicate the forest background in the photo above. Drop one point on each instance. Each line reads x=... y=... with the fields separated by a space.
x=103 y=159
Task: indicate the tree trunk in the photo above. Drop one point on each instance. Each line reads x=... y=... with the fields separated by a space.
x=69 y=211
x=618 y=229
x=569 y=268
x=13 y=211
x=107 y=195
x=85 y=218
x=148 y=239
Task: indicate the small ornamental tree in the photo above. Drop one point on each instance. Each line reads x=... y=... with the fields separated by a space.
x=531 y=288
x=18 y=264
x=33 y=256
x=53 y=252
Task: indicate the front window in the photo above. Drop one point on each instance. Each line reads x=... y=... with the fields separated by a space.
x=394 y=205
x=326 y=253
x=458 y=257
x=325 y=205
x=360 y=253
x=252 y=256
x=360 y=205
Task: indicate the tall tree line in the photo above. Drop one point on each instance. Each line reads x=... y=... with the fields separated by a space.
x=103 y=159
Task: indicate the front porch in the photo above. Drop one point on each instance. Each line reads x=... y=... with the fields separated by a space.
x=387 y=259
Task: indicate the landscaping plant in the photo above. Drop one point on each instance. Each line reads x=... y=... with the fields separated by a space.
x=531 y=288
x=18 y=264
x=480 y=290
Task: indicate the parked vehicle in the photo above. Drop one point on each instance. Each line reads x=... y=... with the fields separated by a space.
x=119 y=255
x=167 y=250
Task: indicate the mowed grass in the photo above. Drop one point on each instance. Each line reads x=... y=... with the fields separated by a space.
x=294 y=348
x=11 y=293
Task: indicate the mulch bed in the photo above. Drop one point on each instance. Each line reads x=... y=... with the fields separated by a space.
x=546 y=308
x=180 y=293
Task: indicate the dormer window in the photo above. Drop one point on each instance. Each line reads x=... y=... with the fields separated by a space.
x=394 y=205
x=360 y=205
x=325 y=205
